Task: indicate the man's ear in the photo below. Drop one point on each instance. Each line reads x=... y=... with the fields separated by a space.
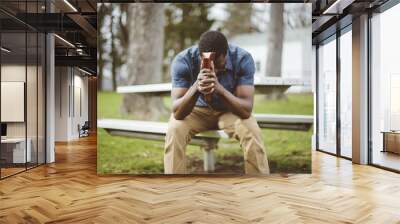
x=222 y=59
x=225 y=57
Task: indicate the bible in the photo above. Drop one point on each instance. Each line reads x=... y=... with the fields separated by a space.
x=207 y=58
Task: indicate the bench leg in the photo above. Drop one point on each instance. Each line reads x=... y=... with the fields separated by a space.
x=209 y=162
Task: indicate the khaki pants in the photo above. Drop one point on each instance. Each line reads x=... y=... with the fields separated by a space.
x=201 y=119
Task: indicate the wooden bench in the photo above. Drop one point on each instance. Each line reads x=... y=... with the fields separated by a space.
x=206 y=140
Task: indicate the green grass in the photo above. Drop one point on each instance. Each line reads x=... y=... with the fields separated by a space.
x=295 y=104
x=109 y=104
x=287 y=151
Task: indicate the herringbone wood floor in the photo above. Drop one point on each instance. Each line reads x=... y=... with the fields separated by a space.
x=69 y=191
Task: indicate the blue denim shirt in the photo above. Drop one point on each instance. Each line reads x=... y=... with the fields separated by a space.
x=239 y=70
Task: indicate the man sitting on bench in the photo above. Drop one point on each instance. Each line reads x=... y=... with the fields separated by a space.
x=230 y=83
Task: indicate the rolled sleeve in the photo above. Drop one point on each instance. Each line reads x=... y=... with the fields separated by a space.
x=246 y=71
x=180 y=73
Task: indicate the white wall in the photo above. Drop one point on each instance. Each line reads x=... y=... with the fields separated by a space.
x=292 y=65
x=61 y=103
x=71 y=102
x=296 y=60
x=80 y=108
x=30 y=80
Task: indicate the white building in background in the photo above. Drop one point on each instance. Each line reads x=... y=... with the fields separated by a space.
x=296 y=55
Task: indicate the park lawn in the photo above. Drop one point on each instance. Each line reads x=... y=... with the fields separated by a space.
x=287 y=151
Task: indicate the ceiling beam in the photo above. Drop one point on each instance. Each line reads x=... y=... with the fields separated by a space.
x=84 y=24
x=337 y=7
x=320 y=22
x=82 y=61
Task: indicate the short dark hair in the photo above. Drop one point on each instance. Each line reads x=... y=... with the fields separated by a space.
x=213 y=41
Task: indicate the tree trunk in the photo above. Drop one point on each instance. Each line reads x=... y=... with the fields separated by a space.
x=145 y=55
x=275 y=43
x=100 y=39
x=114 y=56
x=239 y=20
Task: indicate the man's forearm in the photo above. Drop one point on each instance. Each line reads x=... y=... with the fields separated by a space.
x=240 y=107
x=184 y=105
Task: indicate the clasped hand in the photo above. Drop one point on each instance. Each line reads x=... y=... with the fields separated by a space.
x=207 y=82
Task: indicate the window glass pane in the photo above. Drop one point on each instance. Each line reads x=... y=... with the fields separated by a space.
x=31 y=97
x=13 y=86
x=327 y=97
x=385 y=85
x=23 y=88
x=41 y=97
x=33 y=43
x=345 y=94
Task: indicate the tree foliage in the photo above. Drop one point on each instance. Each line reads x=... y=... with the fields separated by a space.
x=184 y=25
x=239 y=19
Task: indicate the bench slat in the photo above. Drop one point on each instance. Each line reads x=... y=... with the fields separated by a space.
x=283 y=118
x=262 y=86
x=276 y=121
x=149 y=127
